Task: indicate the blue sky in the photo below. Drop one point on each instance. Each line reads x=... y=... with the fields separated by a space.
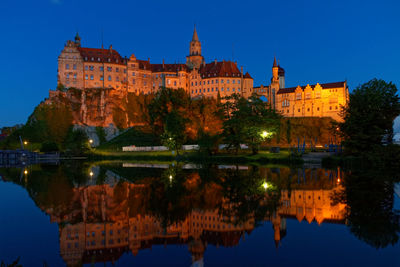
x=315 y=41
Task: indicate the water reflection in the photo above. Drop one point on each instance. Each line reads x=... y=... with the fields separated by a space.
x=106 y=210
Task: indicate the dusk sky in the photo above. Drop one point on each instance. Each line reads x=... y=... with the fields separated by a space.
x=314 y=41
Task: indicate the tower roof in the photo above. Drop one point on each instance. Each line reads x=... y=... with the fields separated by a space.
x=195 y=36
x=275 y=65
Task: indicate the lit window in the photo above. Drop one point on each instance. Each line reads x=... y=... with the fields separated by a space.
x=67 y=66
x=101 y=78
x=109 y=77
x=109 y=69
x=91 y=77
x=101 y=68
x=86 y=77
x=86 y=67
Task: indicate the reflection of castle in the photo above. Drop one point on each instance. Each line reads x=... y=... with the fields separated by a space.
x=108 y=221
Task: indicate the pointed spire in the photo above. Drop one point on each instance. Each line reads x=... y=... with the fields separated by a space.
x=275 y=65
x=195 y=37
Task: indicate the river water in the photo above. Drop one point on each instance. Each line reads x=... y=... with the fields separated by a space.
x=126 y=213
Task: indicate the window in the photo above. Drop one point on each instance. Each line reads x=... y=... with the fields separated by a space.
x=124 y=70
x=233 y=89
x=308 y=95
x=208 y=82
x=109 y=69
x=67 y=66
x=222 y=89
x=238 y=89
x=298 y=96
x=116 y=69
x=86 y=77
x=212 y=81
x=91 y=77
x=196 y=83
x=133 y=74
x=238 y=81
x=298 y=110
x=144 y=83
x=102 y=68
x=86 y=67
x=227 y=89
x=317 y=94
x=233 y=81
x=227 y=81
x=109 y=77
x=117 y=79
x=133 y=81
x=74 y=76
x=168 y=81
x=222 y=81
x=174 y=83
x=204 y=83
x=91 y=67
x=67 y=75
x=144 y=75
x=318 y=109
x=192 y=83
x=101 y=78
x=74 y=66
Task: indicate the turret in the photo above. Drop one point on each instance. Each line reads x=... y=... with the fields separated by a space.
x=275 y=70
x=77 y=39
x=195 y=58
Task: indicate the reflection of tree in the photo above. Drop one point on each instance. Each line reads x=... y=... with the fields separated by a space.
x=168 y=197
x=369 y=197
x=246 y=198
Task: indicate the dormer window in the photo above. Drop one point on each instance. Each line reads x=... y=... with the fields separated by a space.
x=92 y=58
x=98 y=59
x=109 y=60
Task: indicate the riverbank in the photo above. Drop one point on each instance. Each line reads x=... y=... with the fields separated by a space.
x=263 y=157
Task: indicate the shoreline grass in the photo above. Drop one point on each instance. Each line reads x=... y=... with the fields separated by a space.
x=263 y=157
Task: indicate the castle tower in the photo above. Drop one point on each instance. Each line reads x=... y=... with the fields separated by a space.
x=77 y=40
x=195 y=59
x=274 y=87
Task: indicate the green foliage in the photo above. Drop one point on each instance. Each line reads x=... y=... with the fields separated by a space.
x=77 y=142
x=288 y=132
x=138 y=136
x=208 y=143
x=49 y=146
x=174 y=131
x=248 y=121
x=167 y=100
x=47 y=123
x=101 y=134
x=369 y=116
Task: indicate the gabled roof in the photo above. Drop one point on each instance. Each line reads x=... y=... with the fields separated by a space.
x=105 y=55
x=220 y=69
x=247 y=76
x=323 y=85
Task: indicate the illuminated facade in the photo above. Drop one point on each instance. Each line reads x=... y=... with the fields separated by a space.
x=319 y=100
x=110 y=222
x=86 y=68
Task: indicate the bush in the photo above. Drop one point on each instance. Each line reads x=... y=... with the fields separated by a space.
x=49 y=146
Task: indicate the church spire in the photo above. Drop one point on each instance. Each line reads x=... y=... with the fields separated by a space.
x=195 y=38
x=275 y=65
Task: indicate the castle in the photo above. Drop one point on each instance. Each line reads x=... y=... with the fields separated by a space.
x=85 y=68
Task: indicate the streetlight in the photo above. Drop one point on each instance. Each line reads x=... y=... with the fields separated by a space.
x=264 y=134
x=25 y=142
x=91 y=174
x=91 y=141
x=265 y=185
x=26 y=172
x=170 y=178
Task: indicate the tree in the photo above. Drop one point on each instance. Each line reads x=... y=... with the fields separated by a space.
x=174 y=131
x=249 y=121
x=77 y=142
x=369 y=116
x=288 y=132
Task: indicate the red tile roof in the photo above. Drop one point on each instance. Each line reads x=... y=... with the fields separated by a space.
x=105 y=55
x=220 y=69
x=323 y=85
x=247 y=76
x=169 y=67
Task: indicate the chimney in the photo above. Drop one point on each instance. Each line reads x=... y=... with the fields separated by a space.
x=163 y=63
x=215 y=61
